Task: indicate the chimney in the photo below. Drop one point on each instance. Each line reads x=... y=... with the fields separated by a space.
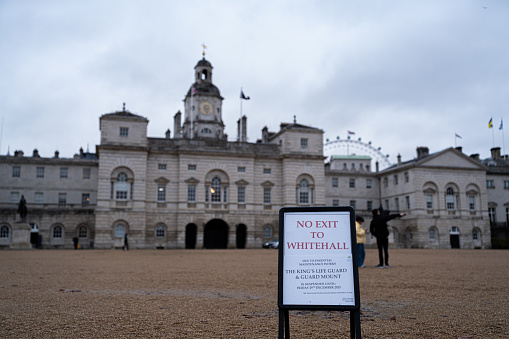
x=241 y=128
x=399 y=159
x=265 y=135
x=377 y=166
x=36 y=153
x=167 y=134
x=422 y=152
x=475 y=156
x=495 y=153
x=460 y=149
x=57 y=153
x=177 y=124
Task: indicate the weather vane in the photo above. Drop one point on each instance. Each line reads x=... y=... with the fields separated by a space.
x=204 y=47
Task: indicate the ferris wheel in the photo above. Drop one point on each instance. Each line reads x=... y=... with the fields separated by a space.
x=350 y=146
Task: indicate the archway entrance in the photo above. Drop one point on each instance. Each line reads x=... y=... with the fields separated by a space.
x=454 y=235
x=215 y=234
x=240 y=236
x=191 y=231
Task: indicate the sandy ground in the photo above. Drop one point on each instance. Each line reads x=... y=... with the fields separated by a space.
x=233 y=294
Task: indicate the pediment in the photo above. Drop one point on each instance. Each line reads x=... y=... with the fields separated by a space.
x=192 y=180
x=451 y=158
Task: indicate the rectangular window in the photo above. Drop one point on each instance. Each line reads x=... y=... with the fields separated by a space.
x=191 y=167
x=161 y=166
x=241 y=194
x=303 y=142
x=506 y=184
x=407 y=200
x=493 y=215
x=369 y=183
x=386 y=182
x=334 y=182
x=369 y=205
x=16 y=171
x=124 y=131
x=386 y=202
x=62 y=199
x=241 y=169
x=86 y=173
x=429 y=201
x=266 y=171
x=161 y=192
x=191 y=193
x=353 y=203
x=396 y=202
x=39 y=197
x=471 y=202
x=335 y=202
x=225 y=194
x=63 y=173
x=121 y=190
x=14 y=197
x=40 y=172
x=407 y=177
x=266 y=195
x=352 y=183
x=490 y=184
x=395 y=179
x=85 y=199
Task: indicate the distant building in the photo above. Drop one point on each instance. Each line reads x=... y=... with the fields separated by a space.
x=197 y=189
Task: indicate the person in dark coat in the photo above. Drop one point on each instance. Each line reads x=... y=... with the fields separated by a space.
x=379 y=229
x=126 y=242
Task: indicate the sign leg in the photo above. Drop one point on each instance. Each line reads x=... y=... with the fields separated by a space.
x=355 y=324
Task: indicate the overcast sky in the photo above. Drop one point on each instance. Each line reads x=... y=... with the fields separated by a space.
x=399 y=73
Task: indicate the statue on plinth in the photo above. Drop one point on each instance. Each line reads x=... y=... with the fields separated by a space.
x=22 y=209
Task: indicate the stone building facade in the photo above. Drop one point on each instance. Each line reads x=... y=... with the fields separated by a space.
x=197 y=189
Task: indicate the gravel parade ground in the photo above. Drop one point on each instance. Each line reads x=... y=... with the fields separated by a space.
x=233 y=294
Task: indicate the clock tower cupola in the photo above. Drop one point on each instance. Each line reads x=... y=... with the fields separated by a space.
x=203 y=106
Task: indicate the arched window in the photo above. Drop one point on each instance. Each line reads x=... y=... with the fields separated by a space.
x=215 y=190
x=475 y=235
x=160 y=231
x=119 y=231
x=83 y=232
x=432 y=234
x=304 y=192
x=57 y=232
x=5 y=232
x=267 y=232
x=449 y=199
x=122 y=187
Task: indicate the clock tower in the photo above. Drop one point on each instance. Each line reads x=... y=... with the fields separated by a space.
x=203 y=106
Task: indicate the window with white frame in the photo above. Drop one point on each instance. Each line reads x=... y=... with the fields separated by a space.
x=304 y=192
x=266 y=171
x=266 y=195
x=121 y=187
x=475 y=235
x=86 y=173
x=39 y=197
x=120 y=231
x=161 y=166
x=334 y=182
x=62 y=199
x=449 y=199
x=353 y=203
x=5 y=232
x=492 y=212
x=85 y=199
x=490 y=184
x=14 y=197
x=40 y=172
x=471 y=202
x=16 y=171
x=429 y=201
x=369 y=205
x=191 y=193
x=63 y=172
x=369 y=183
x=303 y=142
x=432 y=234
x=191 y=167
x=124 y=132
x=352 y=183
x=335 y=202
x=215 y=190
x=241 y=194
x=83 y=232
x=57 y=232
x=267 y=232
x=241 y=169
x=161 y=192
x=407 y=201
x=160 y=231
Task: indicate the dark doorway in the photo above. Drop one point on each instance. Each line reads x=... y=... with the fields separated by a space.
x=240 y=236
x=191 y=231
x=215 y=234
x=455 y=240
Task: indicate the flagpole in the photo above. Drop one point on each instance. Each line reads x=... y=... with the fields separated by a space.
x=240 y=121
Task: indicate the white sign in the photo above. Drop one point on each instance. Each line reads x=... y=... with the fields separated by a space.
x=318 y=259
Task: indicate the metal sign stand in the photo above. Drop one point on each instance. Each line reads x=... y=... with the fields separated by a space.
x=326 y=224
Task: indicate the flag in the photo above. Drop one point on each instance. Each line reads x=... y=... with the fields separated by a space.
x=490 y=124
x=458 y=136
x=193 y=90
x=350 y=132
x=501 y=124
x=242 y=96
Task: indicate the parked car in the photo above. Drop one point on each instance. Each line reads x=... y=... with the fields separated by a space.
x=271 y=244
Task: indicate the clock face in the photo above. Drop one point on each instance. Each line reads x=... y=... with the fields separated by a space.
x=205 y=107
